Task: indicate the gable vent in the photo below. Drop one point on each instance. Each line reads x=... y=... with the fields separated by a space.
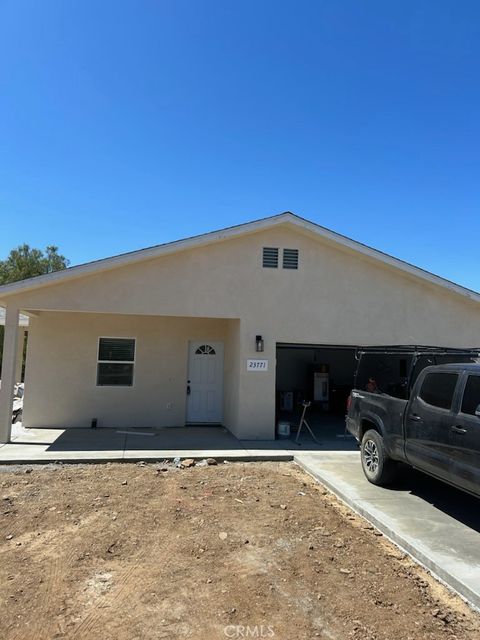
x=270 y=257
x=290 y=258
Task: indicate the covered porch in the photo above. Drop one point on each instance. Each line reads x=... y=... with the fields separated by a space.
x=120 y=371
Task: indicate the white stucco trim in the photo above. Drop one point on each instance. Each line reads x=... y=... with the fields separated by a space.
x=141 y=255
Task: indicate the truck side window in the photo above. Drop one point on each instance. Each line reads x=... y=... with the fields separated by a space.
x=471 y=395
x=438 y=389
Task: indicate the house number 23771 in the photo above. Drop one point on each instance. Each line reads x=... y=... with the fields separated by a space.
x=257 y=365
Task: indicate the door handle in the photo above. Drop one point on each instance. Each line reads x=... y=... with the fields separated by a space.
x=457 y=429
x=188 y=388
x=415 y=417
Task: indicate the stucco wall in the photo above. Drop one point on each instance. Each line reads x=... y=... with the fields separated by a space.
x=336 y=297
x=61 y=372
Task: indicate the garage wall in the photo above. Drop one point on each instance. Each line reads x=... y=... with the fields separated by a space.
x=60 y=384
x=232 y=374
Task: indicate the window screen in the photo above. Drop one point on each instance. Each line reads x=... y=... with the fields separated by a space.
x=115 y=362
x=471 y=395
x=270 y=257
x=290 y=258
x=438 y=389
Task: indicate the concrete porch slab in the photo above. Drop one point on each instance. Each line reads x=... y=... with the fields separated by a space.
x=95 y=445
x=106 y=445
x=48 y=445
x=435 y=524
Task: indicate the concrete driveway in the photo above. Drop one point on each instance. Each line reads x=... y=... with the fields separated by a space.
x=436 y=524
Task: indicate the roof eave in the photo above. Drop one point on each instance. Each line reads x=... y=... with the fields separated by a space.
x=396 y=263
x=142 y=255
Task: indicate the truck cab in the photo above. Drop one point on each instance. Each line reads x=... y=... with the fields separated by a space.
x=442 y=425
x=428 y=418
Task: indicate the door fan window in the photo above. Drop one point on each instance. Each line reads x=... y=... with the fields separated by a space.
x=205 y=350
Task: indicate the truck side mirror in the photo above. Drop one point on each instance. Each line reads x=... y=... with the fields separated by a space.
x=477 y=411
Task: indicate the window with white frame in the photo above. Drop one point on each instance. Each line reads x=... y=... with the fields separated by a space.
x=115 y=363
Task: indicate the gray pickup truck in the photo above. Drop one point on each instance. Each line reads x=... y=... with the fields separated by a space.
x=419 y=406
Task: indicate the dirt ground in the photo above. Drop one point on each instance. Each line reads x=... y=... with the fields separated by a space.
x=240 y=550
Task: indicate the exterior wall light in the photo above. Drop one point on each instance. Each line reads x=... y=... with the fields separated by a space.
x=259 y=344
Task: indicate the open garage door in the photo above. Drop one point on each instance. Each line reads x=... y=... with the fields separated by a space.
x=321 y=374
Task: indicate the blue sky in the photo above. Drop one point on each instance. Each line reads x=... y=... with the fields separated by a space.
x=130 y=123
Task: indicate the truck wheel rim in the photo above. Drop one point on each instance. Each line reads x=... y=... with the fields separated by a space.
x=370 y=456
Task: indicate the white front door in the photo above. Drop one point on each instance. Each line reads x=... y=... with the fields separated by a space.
x=205 y=383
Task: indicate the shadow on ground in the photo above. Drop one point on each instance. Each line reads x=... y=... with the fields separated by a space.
x=453 y=502
x=329 y=436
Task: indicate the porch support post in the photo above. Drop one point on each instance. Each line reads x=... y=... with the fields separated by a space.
x=8 y=372
x=19 y=363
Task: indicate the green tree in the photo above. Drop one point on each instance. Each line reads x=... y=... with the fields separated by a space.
x=26 y=262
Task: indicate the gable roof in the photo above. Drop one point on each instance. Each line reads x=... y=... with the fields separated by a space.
x=124 y=259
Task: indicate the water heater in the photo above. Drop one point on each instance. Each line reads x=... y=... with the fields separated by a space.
x=320 y=386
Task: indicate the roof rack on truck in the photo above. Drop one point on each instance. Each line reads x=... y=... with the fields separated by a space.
x=418 y=350
x=393 y=369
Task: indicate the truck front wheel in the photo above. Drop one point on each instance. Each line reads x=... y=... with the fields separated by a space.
x=377 y=466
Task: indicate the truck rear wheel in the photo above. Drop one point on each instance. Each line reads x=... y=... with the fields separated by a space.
x=377 y=466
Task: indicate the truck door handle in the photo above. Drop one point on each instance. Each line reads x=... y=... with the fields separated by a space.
x=457 y=429
x=415 y=417
x=188 y=388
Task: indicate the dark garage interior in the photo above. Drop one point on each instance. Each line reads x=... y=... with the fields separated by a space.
x=320 y=374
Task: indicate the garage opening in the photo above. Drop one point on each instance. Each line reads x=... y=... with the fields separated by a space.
x=321 y=374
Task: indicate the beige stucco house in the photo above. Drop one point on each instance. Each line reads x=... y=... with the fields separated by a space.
x=170 y=335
